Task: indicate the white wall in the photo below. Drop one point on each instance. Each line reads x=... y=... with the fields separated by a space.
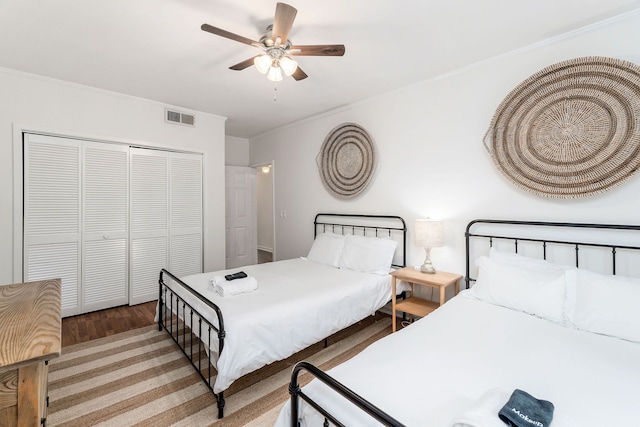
x=35 y=103
x=431 y=158
x=264 y=204
x=236 y=151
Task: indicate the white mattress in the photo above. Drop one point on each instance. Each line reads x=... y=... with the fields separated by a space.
x=297 y=303
x=430 y=372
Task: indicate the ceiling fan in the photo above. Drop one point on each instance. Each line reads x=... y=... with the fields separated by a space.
x=276 y=47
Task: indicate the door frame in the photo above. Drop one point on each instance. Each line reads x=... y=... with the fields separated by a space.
x=273 y=201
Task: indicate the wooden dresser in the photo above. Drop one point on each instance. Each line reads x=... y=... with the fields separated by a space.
x=30 y=320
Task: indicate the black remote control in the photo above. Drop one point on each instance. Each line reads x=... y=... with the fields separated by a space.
x=234 y=276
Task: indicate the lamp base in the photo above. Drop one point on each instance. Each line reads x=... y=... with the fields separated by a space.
x=427 y=268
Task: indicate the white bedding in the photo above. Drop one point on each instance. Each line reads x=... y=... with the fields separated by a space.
x=467 y=347
x=297 y=303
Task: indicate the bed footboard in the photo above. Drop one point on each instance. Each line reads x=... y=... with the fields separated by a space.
x=186 y=325
x=366 y=406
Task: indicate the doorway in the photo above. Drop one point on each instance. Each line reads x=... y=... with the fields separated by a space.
x=265 y=217
x=240 y=216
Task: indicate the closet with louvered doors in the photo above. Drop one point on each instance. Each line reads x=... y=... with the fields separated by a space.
x=166 y=218
x=76 y=220
x=105 y=218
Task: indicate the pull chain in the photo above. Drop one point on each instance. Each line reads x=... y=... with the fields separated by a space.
x=275 y=93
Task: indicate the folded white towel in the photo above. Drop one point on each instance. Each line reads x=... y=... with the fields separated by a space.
x=235 y=287
x=484 y=411
x=216 y=281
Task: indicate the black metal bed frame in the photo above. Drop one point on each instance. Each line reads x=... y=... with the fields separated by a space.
x=296 y=392
x=377 y=230
x=172 y=319
x=544 y=242
x=351 y=396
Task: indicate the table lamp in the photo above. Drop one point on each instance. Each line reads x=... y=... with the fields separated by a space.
x=429 y=234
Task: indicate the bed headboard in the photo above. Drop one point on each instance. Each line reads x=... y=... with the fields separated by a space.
x=390 y=226
x=604 y=248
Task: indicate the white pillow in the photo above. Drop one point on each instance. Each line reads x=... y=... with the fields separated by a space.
x=368 y=254
x=530 y=290
x=513 y=258
x=604 y=304
x=327 y=249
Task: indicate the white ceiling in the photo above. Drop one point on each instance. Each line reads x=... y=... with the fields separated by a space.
x=155 y=49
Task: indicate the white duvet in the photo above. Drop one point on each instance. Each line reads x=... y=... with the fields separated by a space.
x=451 y=358
x=297 y=303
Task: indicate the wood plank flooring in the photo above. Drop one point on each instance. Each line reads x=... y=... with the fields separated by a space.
x=264 y=256
x=103 y=323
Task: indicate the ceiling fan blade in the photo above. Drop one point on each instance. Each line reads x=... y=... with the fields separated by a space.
x=282 y=22
x=224 y=33
x=318 y=50
x=299 y=74
x=244 y=64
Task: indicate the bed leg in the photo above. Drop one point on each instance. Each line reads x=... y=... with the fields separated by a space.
x=326 y=343
x=160 y=319
x=220 y=400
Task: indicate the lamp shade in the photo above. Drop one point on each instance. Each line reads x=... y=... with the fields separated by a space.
x=262 y=63
x=288 y=65
x=274 y=74
x=429 y=233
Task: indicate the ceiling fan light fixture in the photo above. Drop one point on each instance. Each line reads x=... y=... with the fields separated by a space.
x=288 y=65
x=263 y=63
x=274 y=74
x=276 y=47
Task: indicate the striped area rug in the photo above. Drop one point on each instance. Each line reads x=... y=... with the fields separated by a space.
x=142 y=378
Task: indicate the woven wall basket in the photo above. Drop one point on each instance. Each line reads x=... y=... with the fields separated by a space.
x=570 y=130
x=346 y=160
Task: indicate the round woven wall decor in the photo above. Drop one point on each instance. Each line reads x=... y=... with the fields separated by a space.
x=346 y=160
x=570 y=130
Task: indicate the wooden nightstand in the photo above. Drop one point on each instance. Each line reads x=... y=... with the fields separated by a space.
x=418 y=306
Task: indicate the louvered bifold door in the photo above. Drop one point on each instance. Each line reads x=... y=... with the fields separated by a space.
x=52 y=214
x=105 y=226
x=149 y=223
x=185 y=254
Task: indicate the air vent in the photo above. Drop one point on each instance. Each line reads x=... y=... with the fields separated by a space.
x=179 y=118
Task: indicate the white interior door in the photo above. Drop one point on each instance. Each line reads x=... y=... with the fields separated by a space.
x=185 y=241
x=106 y=218
x=76 y=220
x=149 y=226
x=105 y=231
x=166 y=218
x=52 y=224
x=241 y=223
